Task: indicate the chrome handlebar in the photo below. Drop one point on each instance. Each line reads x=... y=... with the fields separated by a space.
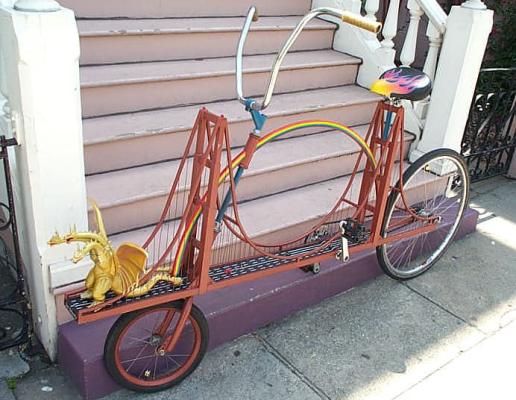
x=346 y=16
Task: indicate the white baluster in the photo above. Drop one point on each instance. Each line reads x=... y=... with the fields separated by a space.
x=435 y=40
x=37 y=5
x=390 y=26
x=474 y=4
x=7 y=3
x=372 y=7
x=408 y=53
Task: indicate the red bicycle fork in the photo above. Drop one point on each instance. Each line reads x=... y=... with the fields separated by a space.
x=170 y=342
x=386 y=143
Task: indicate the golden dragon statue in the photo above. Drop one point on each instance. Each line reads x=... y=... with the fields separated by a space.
x=120 y=271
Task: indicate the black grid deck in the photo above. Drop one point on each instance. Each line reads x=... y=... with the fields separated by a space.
x=262 y=263
x=217 y=274
x=161 y=288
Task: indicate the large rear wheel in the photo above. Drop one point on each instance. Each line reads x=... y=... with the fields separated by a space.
x=436 y=190
x=133 y=354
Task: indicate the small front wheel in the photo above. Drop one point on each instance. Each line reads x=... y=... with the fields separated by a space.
x=436 y=190
x=133 y=351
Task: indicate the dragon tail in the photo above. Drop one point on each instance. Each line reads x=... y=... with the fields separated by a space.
x=160 y=276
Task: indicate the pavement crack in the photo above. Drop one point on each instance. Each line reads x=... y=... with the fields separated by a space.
x=276 y=354
x=444 y=309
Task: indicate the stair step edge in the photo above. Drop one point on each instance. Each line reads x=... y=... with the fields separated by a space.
x=278 y=199
x=262 y=170
x=366 y=98
x=153 y=171
x=140 y=27
x=149 y=71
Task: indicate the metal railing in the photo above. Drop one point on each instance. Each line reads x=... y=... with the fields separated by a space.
x=15 y=317
x=489 y=139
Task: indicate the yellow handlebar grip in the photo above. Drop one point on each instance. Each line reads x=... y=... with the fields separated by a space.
x=361 y=22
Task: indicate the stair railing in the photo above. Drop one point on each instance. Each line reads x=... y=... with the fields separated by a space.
x=436 y=28
x=379 y=56
x=416 y=112
x=456 y=46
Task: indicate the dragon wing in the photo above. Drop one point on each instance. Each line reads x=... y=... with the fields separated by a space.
x=132 y=260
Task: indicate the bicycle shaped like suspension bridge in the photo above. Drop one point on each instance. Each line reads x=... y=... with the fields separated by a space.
x=200 y=243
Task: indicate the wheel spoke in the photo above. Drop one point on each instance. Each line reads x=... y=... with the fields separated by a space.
x=147 y=364
x=138 y=358
x=171 y=358
x=140 y=340
x=139 y=354
x=430 y=194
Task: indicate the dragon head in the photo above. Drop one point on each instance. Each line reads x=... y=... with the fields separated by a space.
x=58 y=239
x=95 y=242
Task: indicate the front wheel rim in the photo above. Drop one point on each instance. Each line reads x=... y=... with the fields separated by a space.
x=149 y=368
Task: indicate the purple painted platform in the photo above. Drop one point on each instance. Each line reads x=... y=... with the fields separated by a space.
x=231 y=312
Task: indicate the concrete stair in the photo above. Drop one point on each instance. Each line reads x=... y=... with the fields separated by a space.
x=229 y=311
x=183 y=9
x=276 y=217
x=117 y=141
x=107 y=41
x=147 y=68
x=318 y=157
x=110 y=89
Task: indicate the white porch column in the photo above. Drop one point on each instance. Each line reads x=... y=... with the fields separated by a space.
x=39 y=76
x=461 y=56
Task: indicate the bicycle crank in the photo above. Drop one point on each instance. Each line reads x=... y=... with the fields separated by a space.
x=343 y=253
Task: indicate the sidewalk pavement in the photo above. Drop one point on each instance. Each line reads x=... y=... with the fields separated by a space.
x=448 y=334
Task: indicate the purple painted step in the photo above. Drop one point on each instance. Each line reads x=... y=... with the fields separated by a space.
x=231 y=312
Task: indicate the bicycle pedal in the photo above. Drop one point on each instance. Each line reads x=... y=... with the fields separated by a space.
x=343 y=253
x=354 y=231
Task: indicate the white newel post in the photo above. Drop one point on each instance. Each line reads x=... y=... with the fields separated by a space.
x=39 y=75
x=461 y=56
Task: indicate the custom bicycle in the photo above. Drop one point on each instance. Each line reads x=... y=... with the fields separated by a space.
x=201 y=244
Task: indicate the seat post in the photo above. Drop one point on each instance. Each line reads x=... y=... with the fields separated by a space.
x=387 y=128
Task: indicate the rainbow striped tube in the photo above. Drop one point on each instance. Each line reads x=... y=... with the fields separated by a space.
x=267 y=138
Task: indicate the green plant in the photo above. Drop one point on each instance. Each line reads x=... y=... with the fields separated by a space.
x=11 y=383
x=501 y=48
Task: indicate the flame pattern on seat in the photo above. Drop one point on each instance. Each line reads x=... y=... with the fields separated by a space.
x=403 y=83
